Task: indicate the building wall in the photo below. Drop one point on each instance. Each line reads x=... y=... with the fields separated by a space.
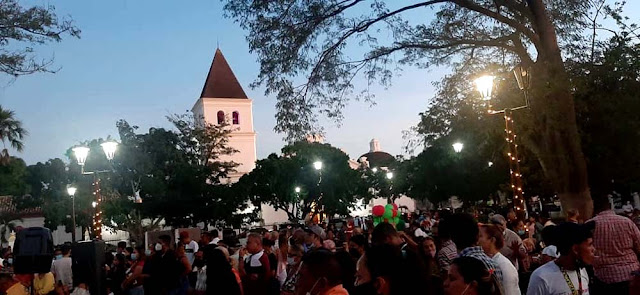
x=243 y=137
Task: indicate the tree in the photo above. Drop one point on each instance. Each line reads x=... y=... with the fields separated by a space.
x=12 y=178
x=336 y=186
x=23 y=27
x=310 y=38
x=11 y=132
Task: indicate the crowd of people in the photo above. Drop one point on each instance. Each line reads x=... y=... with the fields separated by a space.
x=432 y=253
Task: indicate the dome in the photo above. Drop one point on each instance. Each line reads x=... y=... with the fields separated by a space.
x=379 y=159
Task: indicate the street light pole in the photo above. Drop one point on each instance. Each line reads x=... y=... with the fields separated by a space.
x=72 y=191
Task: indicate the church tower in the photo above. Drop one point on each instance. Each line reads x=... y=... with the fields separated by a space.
x=223 y=99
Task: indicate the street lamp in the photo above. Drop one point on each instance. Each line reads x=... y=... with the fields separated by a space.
x=484 y=85
x=109 y=148
x=490 y=163
x=457 y=147
x=374 y=170
x=317 y=165
x=81 y=153
x=297 y=189
x=389 y=175
x=72 y=191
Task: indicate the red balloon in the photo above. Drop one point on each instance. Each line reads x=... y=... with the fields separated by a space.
x=395 y=207
x=378 y=210
x=395 y=212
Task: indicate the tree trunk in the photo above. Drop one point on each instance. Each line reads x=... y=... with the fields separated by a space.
x=553 y=132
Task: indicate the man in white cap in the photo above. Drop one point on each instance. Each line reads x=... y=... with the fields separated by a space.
x=549 y=253
x=513 y=248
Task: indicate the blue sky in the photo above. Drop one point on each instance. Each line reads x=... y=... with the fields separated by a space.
x=142 y=60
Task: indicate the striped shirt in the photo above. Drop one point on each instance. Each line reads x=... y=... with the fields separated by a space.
x=477 y=253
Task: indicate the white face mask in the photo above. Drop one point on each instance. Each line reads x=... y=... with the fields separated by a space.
x=291 y=261
x=158 y=247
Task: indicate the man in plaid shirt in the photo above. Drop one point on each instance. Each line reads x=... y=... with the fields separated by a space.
x=617 y=242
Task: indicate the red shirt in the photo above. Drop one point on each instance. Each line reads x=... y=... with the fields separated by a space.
x=617 y=240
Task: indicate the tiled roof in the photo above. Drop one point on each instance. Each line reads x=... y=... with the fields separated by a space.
x=8 y=207
x=221 y=82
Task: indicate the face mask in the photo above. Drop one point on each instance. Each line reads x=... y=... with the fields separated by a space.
x=10 y=260
x=521 y=232
x=59 y=256
x=147 y=252
x=133 y=256
x=158 y=247
x=291 y=261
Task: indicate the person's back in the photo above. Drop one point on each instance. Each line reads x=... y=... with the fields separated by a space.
x=220 y=277
x=617 y=242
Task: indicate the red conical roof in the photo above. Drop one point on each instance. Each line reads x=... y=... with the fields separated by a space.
x=221 y=82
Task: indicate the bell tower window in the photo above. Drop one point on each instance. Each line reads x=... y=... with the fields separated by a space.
x=236 y=118
x=220 y=117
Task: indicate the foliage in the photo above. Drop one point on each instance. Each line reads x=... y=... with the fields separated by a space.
x=11 y=132
x=12 y=177
x=336 y=186
x=24 y=27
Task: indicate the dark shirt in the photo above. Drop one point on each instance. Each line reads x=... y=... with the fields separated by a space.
x=164 y=272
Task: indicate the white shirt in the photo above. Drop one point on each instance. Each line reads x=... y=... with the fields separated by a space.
x=214 y=241
x=61 y=269
x=190 y=251
x=509 y=274
x=549 y=280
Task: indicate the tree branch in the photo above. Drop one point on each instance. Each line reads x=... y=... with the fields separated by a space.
x=535 y=39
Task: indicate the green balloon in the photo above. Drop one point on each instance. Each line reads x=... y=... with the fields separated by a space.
x=388 y=207
x=388 y=214
x=396 y=220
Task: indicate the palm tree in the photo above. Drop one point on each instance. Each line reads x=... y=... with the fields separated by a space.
x=11 y=132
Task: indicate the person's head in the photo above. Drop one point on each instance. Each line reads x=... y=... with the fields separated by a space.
x=468 y=275
x=532 y=219
x=385 y=233
x=66 y=250
x=575 y=242
x=329 y=245
x=139 y=254
x=444 y=233
x=549 y=235
x=529 y=244
x=164 y=243
x=180 y=249
x=320 y=272
x=205 y=238
x=429 y=246
x=491 y=239
x=387 y=270
x=357 y=245
x=254 y=243
x=267 y=244
x=128 y=251
x=119 y=260
x=315 y=236
x=466 y=230
x=57 y=254
x=122 y=245
x=294 y=255
x=499 y=221
x=185 y=238
x=298 y=237
x=572 y=214
x=330 y=235
x=214 y=234
x=108 y=258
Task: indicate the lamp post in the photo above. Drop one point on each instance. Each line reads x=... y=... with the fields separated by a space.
x=317 y=165
x=72 y=191
x=485 y=86
x=81 y=153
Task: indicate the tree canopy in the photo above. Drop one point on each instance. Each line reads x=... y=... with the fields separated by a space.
x=336 y=186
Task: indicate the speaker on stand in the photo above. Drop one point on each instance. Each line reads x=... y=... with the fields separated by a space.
x=88 y=265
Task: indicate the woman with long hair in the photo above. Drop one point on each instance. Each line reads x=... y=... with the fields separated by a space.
x=220 y=277
x=469 y=276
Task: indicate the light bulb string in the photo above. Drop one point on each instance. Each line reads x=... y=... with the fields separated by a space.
x=514 y=162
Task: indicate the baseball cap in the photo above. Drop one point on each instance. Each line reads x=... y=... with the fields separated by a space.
x=498 y=219
x=550 y=251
